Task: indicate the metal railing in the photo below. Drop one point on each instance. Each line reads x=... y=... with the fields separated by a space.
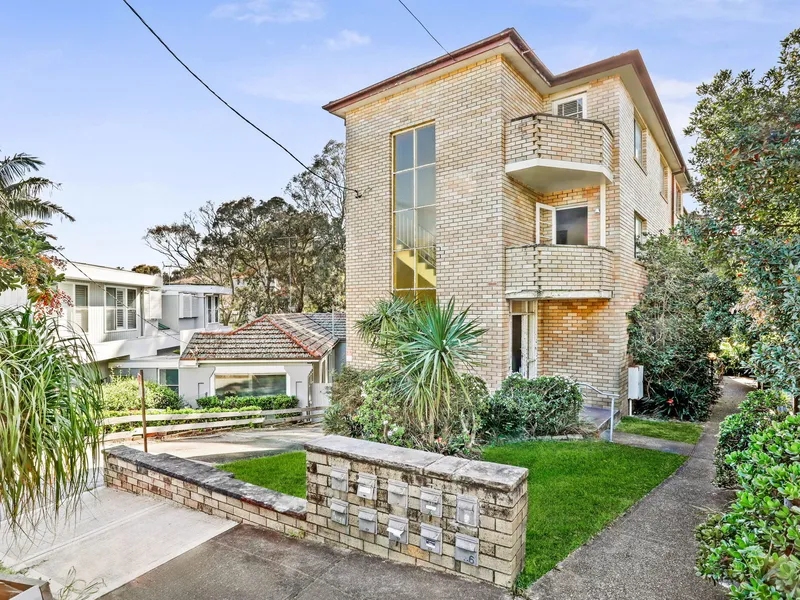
x=613 y=397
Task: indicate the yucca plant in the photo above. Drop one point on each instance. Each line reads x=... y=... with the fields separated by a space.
x=50 y=412
x=375 y=326
x=425 y=350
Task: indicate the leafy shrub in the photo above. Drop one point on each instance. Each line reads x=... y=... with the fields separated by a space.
x=277 y=402
x=532 y=407
x=122 y=393
x=676 y=327
x=755 y=544
x=346 y=397
x=757 y=412
x=380 y=415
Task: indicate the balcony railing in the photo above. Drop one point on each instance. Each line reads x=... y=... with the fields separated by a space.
x=552 y=271
x=549 y=153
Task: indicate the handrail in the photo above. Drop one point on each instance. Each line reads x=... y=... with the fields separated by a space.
x=613 y=397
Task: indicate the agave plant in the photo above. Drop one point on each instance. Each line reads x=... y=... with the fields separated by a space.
x=50 y=412
x=425 y=349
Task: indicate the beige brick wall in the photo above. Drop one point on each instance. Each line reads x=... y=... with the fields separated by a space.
x=481 y=211
x=539 y=271
x=558 y=138
x=503 y=506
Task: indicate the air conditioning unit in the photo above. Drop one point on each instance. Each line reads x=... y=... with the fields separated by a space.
x=636 y=382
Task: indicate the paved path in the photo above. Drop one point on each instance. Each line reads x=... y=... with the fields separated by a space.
x=651 y=443
x=113 y=538
x=247 y=563
x=233 y=445
x=650 y=552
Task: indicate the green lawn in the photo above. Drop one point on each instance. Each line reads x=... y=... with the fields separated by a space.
x=574 y=489
x=284 y=473
x=666 y=430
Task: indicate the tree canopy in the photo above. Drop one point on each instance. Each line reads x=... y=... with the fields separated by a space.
x=747 y=157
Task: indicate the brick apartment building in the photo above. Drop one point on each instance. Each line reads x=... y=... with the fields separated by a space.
x=521 y=193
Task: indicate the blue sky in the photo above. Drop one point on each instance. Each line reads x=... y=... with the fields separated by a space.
x=134 y=141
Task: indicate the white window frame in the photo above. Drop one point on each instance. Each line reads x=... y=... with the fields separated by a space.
x=529 y=366
x=212 y=308
x=639 y=159
x=80 y=309
x=126 y=308
x=572 y=96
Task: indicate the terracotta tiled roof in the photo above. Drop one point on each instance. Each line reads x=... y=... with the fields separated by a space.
x=336 y=323
x=290 y=336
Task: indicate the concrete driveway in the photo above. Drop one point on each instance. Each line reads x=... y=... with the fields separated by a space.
x=237 y=444
x=248 y=563
x=113 y=538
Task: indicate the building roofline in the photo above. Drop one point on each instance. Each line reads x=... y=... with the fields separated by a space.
x=631 y=58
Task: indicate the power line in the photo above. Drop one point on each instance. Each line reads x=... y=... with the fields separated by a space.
x=236 y=112
x=422 y=25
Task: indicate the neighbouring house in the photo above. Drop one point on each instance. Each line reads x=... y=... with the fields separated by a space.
x=289 y=353
x=486 y=178
x=132 y=320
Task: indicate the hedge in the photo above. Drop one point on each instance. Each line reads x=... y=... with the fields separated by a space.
x=277 y=402
x=757 y=412
x=122 y=393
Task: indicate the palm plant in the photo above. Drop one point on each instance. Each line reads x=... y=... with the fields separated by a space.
x=20 y=193
x=50 y=411
x=425 y=349
x=374 y=326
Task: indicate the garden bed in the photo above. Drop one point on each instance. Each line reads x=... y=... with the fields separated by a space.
x=574 y=489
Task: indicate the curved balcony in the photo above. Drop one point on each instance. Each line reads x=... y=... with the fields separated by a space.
x=549 y=153
x=545 y=271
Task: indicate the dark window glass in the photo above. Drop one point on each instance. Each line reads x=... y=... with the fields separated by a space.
x=571 y=226
x=516 y=343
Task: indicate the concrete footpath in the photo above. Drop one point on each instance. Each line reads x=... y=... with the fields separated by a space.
x=650 y=551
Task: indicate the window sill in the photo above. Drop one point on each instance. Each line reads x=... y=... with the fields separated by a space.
x=640 y=165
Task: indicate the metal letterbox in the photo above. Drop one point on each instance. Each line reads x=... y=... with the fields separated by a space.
x=339 y=511
x=467 y=510
x=368 y=520
x=398 y=529
x=398 y=493
x=430 y=538
x=467 y=549
x=339 y=476
x=430 y=502
x=367 y=486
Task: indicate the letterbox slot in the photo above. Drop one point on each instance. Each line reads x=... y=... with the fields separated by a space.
x=339 y=511
x=430 y=538
x=398 y=493
x=368 y=520
x=430 y=502
x=467 y=549
x=339 y=476
x=367 y=486
x=467 y=510
x=398 y=529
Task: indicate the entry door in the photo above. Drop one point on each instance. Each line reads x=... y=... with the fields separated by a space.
x=545 y=224
x=525 y=338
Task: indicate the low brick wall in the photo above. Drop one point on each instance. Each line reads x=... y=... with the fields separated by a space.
x=440 y=512
x=203 y=488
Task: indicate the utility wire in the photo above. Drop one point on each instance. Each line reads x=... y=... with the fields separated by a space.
x=82 y=272
x=421 y=24
x=236 y=112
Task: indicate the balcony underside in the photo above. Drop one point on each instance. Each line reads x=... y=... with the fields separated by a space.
x=549 y=175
